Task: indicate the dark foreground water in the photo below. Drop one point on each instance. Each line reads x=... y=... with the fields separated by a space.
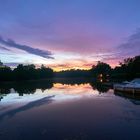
x=67 y=112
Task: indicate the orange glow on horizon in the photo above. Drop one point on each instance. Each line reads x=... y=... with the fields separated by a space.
x=81 y=65
x=57 y=68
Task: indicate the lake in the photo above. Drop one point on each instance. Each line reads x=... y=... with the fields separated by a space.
x=70 y=110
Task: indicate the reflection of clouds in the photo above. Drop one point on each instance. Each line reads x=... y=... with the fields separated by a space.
x=73 y=89
x=65 y=92
x=28 y=106
x=71 y=92
x=68 y=89
x=15 y=98
x=68 y=86
x=60 y=92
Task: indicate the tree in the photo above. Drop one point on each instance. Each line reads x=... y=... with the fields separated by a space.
x=101 y=69
x=128 y=69
x=45 y=72
x=29 y=72
x=5 y=74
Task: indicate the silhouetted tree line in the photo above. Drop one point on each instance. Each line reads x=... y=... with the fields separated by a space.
x=24 y=72
x=128 y=69
x=99 y=71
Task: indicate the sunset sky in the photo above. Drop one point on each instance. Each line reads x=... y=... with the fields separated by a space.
x=64 y=34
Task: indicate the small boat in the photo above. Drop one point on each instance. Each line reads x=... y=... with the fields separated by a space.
x=132 y=87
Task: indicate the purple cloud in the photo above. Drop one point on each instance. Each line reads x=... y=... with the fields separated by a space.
x=132 y=46
x=4 y=48
x=12 y=44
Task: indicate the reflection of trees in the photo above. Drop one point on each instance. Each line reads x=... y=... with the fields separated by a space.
x=4 y=90
x=24 y=87
x=24 y=90
x=2 y=96
x=96 y=85
x=100 y=87
x=29 y=87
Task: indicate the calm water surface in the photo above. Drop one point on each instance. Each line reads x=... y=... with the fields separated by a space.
x=68 y=112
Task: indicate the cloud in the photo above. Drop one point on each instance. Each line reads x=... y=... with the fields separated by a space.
x=12 y=44
x=11 y=64
x=132 y=46
x=4 y=48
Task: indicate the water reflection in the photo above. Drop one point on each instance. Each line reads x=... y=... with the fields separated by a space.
x=132 y=97
x=37 y=103
x=31 y=87
x=66 y=85
x=25 y=87
x=23 y=96
x=67 y=109
x=100 y=87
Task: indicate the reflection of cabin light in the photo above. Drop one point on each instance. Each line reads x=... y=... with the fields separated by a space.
x=101 y=80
